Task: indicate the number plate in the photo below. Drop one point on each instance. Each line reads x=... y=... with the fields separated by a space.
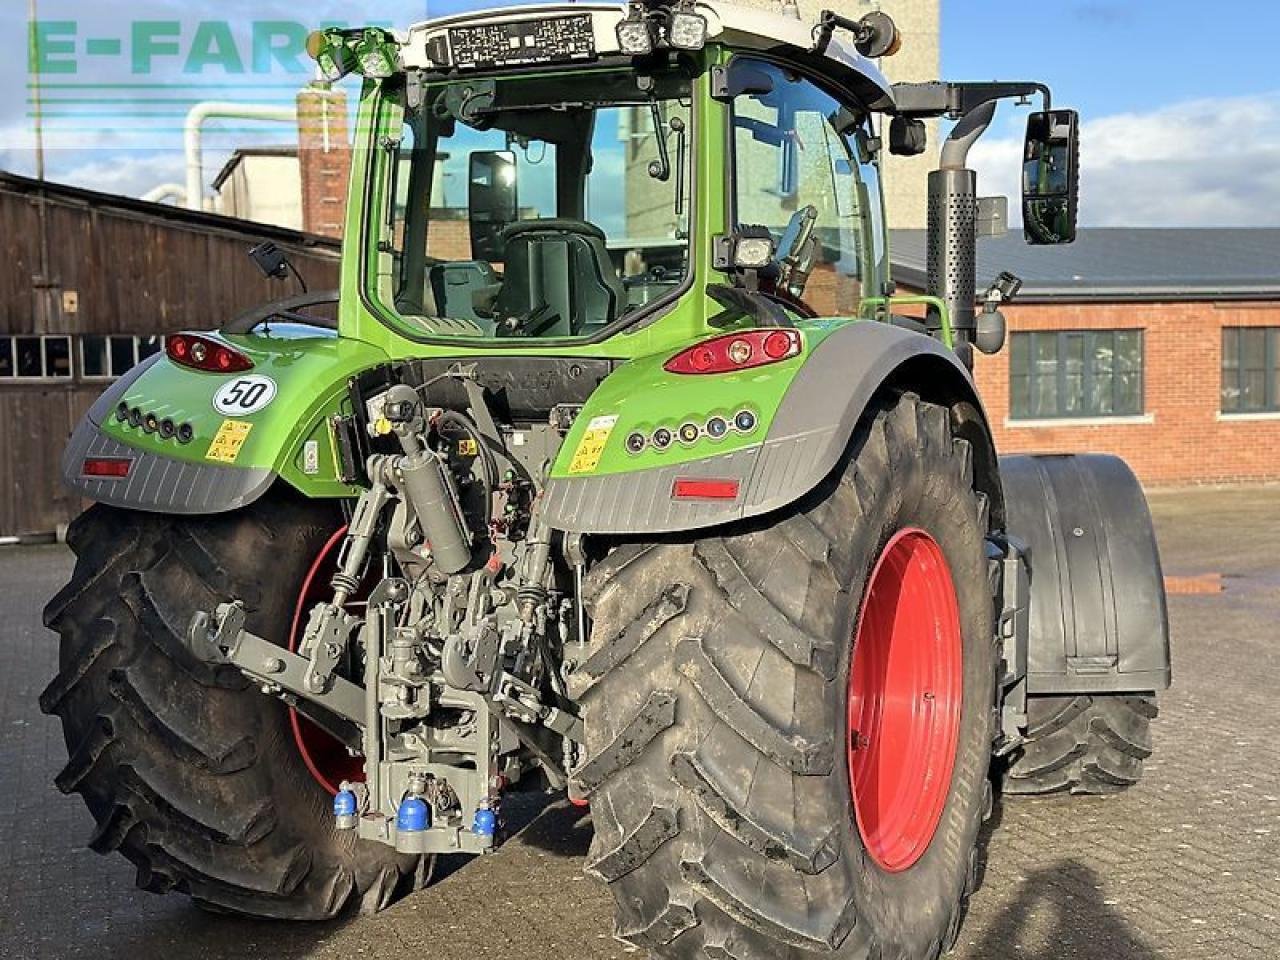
x=523 y=42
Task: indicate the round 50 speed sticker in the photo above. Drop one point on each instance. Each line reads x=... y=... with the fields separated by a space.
x=244 y=395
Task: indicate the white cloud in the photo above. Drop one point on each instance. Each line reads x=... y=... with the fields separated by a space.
x=1198 y=163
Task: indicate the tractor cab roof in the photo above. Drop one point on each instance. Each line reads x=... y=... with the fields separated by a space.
x=569 y=34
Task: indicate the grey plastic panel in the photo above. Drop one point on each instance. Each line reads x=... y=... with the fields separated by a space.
x=641 y=502
x=1098 y=615
x=156 y=483
x=106 y=403
x=806 y=438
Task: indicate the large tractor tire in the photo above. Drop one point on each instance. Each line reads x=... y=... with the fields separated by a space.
x=1082 y=744
x=789 y=721
x=200 y=780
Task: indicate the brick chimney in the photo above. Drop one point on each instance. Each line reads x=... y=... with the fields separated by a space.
x=324 y=159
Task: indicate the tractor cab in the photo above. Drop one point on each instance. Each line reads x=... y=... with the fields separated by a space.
x=543 y=173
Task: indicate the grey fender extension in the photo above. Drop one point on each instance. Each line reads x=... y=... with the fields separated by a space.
x=155 y=483
x=806 y=439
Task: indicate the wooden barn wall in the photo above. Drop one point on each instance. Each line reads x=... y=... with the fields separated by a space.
x=132 y=273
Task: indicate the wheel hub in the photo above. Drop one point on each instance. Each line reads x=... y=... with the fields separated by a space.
x=905 y=692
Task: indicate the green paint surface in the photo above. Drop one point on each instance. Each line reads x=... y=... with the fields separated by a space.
x=310 y=373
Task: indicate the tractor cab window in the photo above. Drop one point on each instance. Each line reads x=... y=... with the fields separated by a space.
x=542 y=206
x=798 y=151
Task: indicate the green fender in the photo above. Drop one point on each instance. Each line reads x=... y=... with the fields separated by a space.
x=274 y=423
x=806 y=408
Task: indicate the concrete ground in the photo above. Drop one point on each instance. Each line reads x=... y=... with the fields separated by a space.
x=1185 y=866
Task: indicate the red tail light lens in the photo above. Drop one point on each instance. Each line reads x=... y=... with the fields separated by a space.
x=699 y=488
x=737 y=351
x=205 y=353
x=107 y=468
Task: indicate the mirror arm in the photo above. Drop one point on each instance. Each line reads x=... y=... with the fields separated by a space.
x=955 y=100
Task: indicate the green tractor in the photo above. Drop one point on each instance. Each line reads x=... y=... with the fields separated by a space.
x=618 y=469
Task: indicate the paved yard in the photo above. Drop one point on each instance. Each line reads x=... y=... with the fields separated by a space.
x=1186 y=866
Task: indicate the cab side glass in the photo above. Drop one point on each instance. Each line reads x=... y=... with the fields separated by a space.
x=1050 y=177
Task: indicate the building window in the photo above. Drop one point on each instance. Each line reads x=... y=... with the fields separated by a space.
x=35 y=357
x=1075 y=373
x=104 y=357
x=1250 y=369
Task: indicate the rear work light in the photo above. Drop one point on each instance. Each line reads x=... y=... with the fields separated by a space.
x=204 y=353
x=737 y=351
x=107 y=468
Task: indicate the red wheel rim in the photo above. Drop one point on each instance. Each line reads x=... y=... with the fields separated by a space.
x=326 y=758
x=905 y=691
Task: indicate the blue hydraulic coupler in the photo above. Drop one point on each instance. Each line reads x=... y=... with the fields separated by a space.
x=413 y=816
x=345 y=813
x=485 y=822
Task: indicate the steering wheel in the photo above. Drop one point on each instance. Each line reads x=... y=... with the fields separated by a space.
x=551 y=225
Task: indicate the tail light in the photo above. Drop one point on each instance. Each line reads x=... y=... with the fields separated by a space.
x=737 y=351
x=205 y=353
x=701 y=488
x=106 y=468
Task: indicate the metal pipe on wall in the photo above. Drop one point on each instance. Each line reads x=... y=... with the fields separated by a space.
x=192 y=134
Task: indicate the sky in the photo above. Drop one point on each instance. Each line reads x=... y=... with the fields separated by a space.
x=1180 y=113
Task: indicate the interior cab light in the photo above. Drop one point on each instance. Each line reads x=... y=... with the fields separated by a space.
x=738 y=351
x=205 y=353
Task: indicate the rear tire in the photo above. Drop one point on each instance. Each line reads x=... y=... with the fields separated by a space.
x=1082 y=744
x=190 y=772
x=714 y=697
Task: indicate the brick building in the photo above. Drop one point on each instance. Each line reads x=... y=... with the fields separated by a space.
x=1159 y=345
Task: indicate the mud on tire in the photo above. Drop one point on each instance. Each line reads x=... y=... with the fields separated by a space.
x=714 y=699
x=1082 y=744
x=189 y=772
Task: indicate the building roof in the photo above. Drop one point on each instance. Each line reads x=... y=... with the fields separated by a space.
x=233 y=161
x=194 y=219
x=1120 y=263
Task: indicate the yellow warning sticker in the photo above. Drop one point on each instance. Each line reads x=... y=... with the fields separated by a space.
x=591 y=447
x=228 y=441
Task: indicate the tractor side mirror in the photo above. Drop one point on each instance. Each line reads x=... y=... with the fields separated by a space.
x=492 y=201
x=1050 y=177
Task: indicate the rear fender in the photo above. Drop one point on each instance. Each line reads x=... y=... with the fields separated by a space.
x=234 y=455
x=1098 y=620
x=808 y=409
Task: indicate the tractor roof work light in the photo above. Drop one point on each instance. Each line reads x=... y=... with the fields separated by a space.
x=687 y=30
x=334 y=59
x=635 y=34
x=377 y=54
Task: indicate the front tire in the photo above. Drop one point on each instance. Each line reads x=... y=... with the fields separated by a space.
x=189 y=771
x=716 y=697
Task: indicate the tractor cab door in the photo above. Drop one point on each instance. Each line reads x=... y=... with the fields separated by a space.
x=800 y=151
